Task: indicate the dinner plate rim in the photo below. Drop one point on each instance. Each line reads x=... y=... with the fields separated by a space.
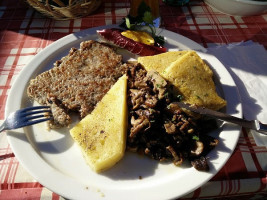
x=18 y=140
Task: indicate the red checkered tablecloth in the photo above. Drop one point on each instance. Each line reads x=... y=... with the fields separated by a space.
x=24 y=32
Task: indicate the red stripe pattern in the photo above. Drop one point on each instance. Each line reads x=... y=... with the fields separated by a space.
x=24 y=32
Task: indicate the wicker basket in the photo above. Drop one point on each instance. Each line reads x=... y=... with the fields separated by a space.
x=65 y=9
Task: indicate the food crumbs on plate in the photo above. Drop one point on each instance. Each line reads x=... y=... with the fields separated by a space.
x=140 y=177
x=101 y=193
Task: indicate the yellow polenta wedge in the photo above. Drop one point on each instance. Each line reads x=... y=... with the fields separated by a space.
x=193 y=79
x=161 y=61
x=101 y=135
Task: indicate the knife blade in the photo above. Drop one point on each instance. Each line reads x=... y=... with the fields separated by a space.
x=250 y=124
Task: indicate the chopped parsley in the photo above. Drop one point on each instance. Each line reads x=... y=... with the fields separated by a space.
x=180 y=97
x=195 y=137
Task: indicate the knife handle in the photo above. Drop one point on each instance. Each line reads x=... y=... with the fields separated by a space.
x=261 y=127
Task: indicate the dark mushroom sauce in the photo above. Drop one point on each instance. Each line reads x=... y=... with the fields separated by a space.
x=159 y=128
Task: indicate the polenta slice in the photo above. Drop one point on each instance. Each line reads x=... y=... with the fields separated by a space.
x=101 y=135
x=161 y=61
x=193 y=79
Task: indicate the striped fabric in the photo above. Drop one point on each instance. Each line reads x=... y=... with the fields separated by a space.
x=24 y=32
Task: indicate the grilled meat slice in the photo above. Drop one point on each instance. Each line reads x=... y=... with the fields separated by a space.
x=78 y=81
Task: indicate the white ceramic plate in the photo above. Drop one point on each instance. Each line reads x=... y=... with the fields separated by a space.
x=54 y=160
x=239 y=7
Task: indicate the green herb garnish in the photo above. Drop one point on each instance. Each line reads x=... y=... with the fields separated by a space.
x=180 y=97
x=195 y=137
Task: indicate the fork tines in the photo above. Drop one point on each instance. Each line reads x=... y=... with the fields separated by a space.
x=37 y=114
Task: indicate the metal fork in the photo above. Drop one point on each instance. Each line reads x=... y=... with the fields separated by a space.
x=26 y=117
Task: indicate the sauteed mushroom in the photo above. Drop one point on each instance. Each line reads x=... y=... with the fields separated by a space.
x=160 y=129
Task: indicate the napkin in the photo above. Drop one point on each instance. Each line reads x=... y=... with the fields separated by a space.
x=247 y=63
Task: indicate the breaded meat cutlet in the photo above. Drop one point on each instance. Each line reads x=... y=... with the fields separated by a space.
x=77 y=82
